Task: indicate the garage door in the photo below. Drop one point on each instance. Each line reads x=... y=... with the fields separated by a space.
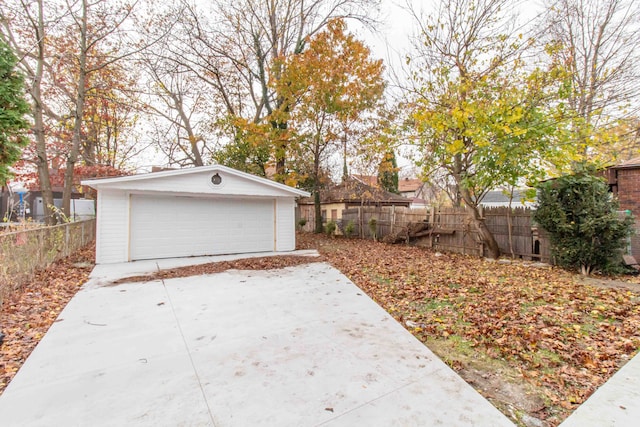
x=170 y=226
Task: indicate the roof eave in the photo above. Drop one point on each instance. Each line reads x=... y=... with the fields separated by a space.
x=102 y=182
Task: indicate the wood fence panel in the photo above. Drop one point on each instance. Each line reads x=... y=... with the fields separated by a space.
x=451 y=230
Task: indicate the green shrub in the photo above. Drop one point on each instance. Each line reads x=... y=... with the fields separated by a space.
x=580 y=214
x=373 y=228
x=349 y=228
x=302 y=222
x=330 y=228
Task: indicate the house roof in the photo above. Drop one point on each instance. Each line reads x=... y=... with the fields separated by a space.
x=409 y=184
x=628 y=164
x=172 y=175
x=498 y=196
x=352 y=190
x=370 y=180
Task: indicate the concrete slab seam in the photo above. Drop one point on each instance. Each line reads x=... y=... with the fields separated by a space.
x=382 y=396
x=193 y=365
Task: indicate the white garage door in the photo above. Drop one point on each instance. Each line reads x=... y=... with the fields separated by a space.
x=170 y=226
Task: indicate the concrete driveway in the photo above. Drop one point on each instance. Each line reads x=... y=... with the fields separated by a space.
x=302 y=346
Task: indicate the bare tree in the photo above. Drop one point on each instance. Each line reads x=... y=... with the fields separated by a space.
x=29 y=42
x=184 y=107
x=235 y=50
x=597 y=40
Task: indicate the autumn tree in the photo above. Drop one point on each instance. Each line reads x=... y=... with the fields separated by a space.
x=13 y=108
x=234 y=50
x=250 y=150
x=388 y=172
x=110 y=117
x=62 y=48
x=597 y=42
x=95 y=24
x=330 y=82
x=29 y=43
x=480 y=115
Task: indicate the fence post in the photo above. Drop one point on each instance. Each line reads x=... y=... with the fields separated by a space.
x=393 y=217
x=432 y=221
x=360 y=221
x=66 y=238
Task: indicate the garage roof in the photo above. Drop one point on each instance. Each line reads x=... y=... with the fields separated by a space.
x=198 y=180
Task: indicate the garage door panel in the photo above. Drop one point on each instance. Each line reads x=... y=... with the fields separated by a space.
x=169 y=226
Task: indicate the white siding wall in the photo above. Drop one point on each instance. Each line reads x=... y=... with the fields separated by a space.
x=285 y=224
x=112 y=234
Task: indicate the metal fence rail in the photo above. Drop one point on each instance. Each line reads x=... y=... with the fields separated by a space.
x=23 y=252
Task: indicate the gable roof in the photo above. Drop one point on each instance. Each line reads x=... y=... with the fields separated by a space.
x=352 y=190
x=628 y=164
x=499 y=197
x=370 y=180
x=131 y=181
x=409 y=184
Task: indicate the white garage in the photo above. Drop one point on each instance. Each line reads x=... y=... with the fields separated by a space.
x=209 y=210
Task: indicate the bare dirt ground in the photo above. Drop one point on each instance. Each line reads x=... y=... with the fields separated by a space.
x=28 y=312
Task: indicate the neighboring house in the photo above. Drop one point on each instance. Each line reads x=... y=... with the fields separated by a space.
x=624 y=182
x=423 y=194
x=370 y=180
x=416 y=190
x=498 y=198
x=349 y=194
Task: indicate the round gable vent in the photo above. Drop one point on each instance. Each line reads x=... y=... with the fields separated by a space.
x=216 y=179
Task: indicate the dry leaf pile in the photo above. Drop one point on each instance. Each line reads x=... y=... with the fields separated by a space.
x=563 y=337
x=27 y=313
x=259 y=263
x=548 y=329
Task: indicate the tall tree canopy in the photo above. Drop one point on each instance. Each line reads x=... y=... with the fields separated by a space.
x=332 y=82
x=596 y=40
x=388 y=172
x=13 y=110
x=481 y=114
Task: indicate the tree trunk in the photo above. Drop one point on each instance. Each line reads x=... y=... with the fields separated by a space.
x=318 y=210
x=316 y=191
x=193 y=139
x=42 y=162
x=78 y=116
x=480 y=225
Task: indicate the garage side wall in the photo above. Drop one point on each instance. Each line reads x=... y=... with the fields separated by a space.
x=112 y=233
x=285 y=225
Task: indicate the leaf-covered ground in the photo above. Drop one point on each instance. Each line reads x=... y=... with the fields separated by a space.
x=27 y=314
x=259 y=263
x=537 y=341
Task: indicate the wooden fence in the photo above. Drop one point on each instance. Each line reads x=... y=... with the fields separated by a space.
x=22 y=252
x=451 y=230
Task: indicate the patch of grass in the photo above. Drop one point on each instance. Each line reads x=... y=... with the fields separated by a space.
x=546 y=358
x=433 y=305
x=382 y=279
